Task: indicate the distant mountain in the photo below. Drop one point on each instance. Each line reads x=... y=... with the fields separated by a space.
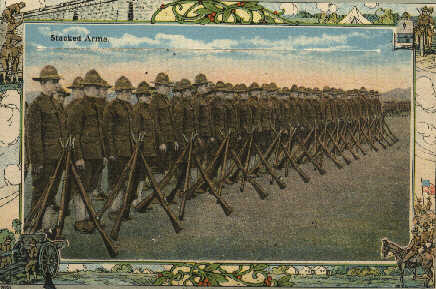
x=399 y=94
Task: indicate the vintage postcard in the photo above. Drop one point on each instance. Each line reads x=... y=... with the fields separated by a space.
x=210 y=143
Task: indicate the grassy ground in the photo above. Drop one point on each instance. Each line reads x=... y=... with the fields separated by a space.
x=342 y=215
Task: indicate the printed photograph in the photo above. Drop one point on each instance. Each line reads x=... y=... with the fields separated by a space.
x=177 y=142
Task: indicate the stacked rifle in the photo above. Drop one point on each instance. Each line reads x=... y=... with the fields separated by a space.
x=277 y=135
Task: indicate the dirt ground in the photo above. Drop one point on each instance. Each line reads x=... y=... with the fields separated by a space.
x=342 y=215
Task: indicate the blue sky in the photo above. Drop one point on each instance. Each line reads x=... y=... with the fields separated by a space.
x=280 y=54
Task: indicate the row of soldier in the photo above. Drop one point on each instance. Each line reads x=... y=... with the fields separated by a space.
x=167 y=116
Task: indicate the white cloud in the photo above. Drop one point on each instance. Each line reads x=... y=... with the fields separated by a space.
x=327 y=7
x=171 y=40
x=371 y=5
x=78 y=30
x=296 y=43
x=289 y=8
x=129 y=39
x=45 y=30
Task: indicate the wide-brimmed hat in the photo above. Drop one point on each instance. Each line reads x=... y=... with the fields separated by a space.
x=229 y=87
x=285 y=91
x=77 y=83
x=105 y=84
x=143 y=88
x=123 y=83
x=48 y=72
x=200 y=79
x=240 y=87
x=220 y=86
x=272 y=87
x=92 y=78
x=162 y=78
x=254 y=86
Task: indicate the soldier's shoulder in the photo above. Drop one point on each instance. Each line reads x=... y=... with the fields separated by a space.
x=39 y=99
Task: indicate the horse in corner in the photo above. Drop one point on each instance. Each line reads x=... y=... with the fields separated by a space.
x=423 y=260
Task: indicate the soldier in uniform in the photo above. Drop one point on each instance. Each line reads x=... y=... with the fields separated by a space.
x=144 y=123
x=46 y=128
x=12 y=10
x=76 y=91
x=86 y=126
x=161 y=107
x=229 y=107
x=414 y=245
x=185 y=123
x=203 y=113
x=7 y=248
x=62 y=94
x=32 y=254
x=101 y=104
x=118 y=130
x=244 y=110
x=26 y=139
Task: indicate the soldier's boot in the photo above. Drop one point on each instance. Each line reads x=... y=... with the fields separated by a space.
x=139 y=193
x=28 y=276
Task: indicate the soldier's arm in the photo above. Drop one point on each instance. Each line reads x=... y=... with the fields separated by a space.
x=137 y=123
x=35 y=130
x=178 y=123
x=212 y=122
x=75 y=126
x=108 y=125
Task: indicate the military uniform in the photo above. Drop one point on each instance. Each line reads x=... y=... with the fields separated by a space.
x=244 y=111
x=32 y=260
x=163 y=118
x=12 y=10
x=230 y=109
x=185 y=124
x=219 y=110
x=7 y=248
x=203 y=111
x=118 y=128
x=86 y=126
x=144 y=122
x=46 y=127
x=101 y=104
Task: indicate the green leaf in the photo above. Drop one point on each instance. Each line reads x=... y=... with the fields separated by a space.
x=209 y=5
x=269 y=19
x=238 y=18
x=285 y=281
x=250 y=4
x=203 y=11
x=260 y=267
x=159 y=281
x=211 y=267
x=227 y=14
x=219 y=278
x=278 y=270
x=204 y=20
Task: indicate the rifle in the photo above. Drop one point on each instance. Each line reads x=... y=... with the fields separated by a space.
x=112 y=249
